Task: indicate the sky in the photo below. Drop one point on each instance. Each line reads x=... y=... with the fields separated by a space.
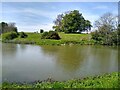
x=33 y=16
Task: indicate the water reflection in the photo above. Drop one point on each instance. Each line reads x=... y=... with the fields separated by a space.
x=100 y=60
x=84 y=60
x=67 y=57
x=8 y=50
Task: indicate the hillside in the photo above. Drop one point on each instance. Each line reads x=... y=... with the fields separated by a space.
x=35 y=38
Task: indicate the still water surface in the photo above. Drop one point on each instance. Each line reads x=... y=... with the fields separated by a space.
x=30 y=62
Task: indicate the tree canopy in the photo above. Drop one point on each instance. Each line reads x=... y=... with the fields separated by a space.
x=71 y=22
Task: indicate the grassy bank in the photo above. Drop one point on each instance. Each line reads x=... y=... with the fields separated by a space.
x=35 y=38
x=102 y=81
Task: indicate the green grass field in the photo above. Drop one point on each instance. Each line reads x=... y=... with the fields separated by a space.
x=65 y=39
x=102 y=81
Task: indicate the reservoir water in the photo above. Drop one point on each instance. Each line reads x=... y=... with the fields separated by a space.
x=28 y=63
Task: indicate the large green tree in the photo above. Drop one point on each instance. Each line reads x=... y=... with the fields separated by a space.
x=71 y=22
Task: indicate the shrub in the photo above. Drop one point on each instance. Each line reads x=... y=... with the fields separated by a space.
x=23 y=35
x=44 y=35
x=41 y=30
x=9 y=36
x=50 y=35
x=96 y=36
x=105 y=37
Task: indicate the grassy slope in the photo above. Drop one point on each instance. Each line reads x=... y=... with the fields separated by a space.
x=65 y=39
x=103 y=81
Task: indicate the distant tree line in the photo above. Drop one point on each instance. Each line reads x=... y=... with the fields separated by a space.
x=10 y=31
x=7 y=27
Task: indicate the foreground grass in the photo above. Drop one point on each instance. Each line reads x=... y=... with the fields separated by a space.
x=35 y=38
x=103 y=81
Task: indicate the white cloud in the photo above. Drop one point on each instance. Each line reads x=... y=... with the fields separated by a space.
x=8 y=21
x=34 y=28
x=100 y=7
x=31 y=11
x=48 y=14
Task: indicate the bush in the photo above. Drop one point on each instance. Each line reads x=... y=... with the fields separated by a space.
x=96 y=36
x=23 y=35
x=44 y=35
x=50 y=35
x=41 y=30
x=105 y=37
x=9 y=36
